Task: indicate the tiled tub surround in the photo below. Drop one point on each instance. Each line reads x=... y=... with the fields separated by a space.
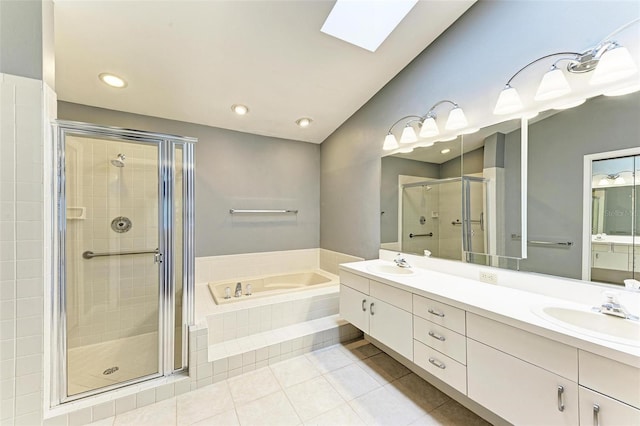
x=256 y=332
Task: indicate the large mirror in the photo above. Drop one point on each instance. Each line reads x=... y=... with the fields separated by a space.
x=583 y=191
x=457 y=200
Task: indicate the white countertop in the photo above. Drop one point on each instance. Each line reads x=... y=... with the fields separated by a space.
x=616 y=239
x=507 y=305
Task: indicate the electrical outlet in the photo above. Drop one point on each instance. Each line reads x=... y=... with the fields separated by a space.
x=488 y=277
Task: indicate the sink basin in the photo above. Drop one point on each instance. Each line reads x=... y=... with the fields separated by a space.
x=390 y=269
x=595 y=324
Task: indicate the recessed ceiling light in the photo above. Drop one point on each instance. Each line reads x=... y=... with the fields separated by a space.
x=445 y=151
x=112 y=80
x=365 y=23
x=304 y=122
x=239 y=109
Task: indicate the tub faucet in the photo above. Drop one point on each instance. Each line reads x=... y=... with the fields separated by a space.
x=612 y=307
x=401 y=262
x=238 y=289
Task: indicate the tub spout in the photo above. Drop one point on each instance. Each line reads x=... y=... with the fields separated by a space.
x=238 y=289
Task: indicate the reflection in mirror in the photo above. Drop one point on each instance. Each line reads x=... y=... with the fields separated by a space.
x=451 y=204
x=562 y=147
x=615 y=216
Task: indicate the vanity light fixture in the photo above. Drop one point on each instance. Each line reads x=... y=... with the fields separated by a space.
x=112 y=80
x=408 y=134
x=608 y=60
x=456 y=120
x=240 y=109
x=304 y=122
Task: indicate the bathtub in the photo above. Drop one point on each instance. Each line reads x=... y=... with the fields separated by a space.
x=271 y=285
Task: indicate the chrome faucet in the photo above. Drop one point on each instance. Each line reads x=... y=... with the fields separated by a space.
x=401 y=262
x=612 y=307
x=238 y=289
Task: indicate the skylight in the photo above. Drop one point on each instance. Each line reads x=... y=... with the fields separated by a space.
x=366 y=23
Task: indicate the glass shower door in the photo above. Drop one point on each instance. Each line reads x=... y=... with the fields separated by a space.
x=112 y=263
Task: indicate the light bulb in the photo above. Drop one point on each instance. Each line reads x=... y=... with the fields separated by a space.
x=304 y=122
x=456 y=120
x=408 y=135
x=239 y=109
x=112 y=80
x=390 y=143
x=614 y=64
x=508 y=101
x=553 y=85
x=429 y=128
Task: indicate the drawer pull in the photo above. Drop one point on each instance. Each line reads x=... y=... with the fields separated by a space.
x=560 y=398
x=596 y=412
x=436 y=313
x=437 y=363
x=371 y=309
x=437 y=336
x=364 y=302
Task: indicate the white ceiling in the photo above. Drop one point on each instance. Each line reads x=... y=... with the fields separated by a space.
x=191 y=60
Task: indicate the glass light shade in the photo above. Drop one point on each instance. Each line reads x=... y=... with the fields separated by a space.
x=429 y=128
x=623 y=90
x=619 y=180
x=603 y=182
x=615 y=64
x=408 y=135
x=553 y=85
x=456 y=120
x=390 y=143
x=508 y=101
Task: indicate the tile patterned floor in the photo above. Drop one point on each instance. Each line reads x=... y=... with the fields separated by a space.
x=353 y=384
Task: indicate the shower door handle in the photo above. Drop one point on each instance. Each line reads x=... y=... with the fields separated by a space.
x=482 y=221
x=157 y=258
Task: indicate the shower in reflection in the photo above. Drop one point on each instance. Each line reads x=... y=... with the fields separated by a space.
x=119 y=161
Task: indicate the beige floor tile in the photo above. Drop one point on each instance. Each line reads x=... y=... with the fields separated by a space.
x=342 y=416
x=351 y=381
x=313 y=397
x=383 y=368
x=274 y=409
x=360 y=349
x=293 y=371
x=381 y=407
x=253 y=385
x=161 y=413
x=203 y=403
x=228 y=418
x=414 y=389
x=451 y=414
x=329 y=359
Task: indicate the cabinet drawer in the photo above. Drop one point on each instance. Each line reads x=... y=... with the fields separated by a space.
x=442 y=339
x=546 y=353
x=393 y=296
x=440 y=313
x=355 y=281
x=613 y=378
x=438 y=364
x=609 y=412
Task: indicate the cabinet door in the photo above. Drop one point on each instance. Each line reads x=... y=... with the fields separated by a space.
x=599 y=410
x=517 y=391
x=391 y=326
x=354 y=307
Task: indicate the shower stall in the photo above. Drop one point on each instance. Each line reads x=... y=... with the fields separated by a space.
x=124 y=263
x=444 y=218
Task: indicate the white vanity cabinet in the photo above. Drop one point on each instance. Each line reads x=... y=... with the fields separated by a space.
x=524 y=378
x=609 y=392
x=439 y=345
x=382 y=311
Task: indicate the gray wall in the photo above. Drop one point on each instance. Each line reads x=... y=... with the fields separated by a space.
x=21 y=39
x=242 y=171
x=468 y=64
x=557 y=146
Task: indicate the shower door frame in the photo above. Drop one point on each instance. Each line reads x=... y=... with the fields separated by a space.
x=167 y=145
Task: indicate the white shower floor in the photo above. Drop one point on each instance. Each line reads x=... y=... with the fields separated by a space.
x=134 y=357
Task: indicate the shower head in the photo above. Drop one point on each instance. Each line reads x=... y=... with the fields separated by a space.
x=119 y=161
x=427 y=188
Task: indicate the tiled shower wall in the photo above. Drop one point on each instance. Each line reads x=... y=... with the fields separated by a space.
x=114 y=296
x=22 y=268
